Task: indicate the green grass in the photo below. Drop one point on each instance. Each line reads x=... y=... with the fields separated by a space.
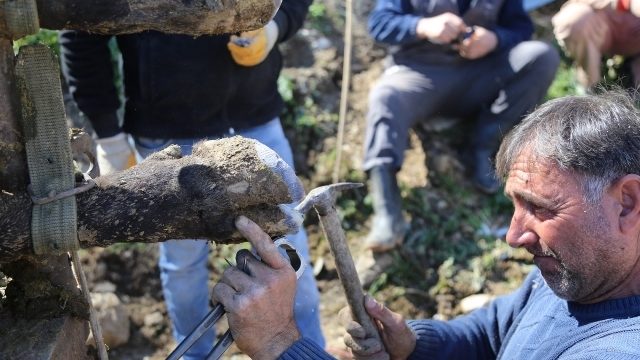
x=564 y=82
x=119 y=248
x=44 y=36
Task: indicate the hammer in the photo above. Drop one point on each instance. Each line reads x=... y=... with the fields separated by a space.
x=323 y=200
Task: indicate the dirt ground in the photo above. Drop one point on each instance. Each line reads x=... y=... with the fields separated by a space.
x=313 y=65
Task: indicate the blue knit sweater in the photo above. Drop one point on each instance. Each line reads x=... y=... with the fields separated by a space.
x=531 y=323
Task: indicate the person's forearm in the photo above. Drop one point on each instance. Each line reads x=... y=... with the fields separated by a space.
x=513 y=26
x=88 y=69
x=508 y=38
x=290 y=17
x=393 y=22
x=442 y=340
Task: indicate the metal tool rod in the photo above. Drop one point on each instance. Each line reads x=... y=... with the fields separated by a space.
x=346 y=269
x=221 y=346
x=214 y=315
x=207 y=323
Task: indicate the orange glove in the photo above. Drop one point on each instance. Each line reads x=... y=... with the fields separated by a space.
x=250 y=48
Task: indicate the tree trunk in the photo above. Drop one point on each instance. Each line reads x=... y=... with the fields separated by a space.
x=193 y=17
x=165 y=197
x=42 y=316
x=13 y=171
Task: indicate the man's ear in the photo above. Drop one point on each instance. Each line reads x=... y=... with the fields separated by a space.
x=627 y=192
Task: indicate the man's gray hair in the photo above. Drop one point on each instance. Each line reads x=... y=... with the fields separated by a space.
x=596 y=137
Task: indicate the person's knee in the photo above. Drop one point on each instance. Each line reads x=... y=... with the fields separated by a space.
x=536 y=58
x=546 y=58
x=389 y=115
x=385 y=97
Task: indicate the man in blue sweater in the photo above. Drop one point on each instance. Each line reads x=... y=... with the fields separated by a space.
x=464 y=59
x=572 y=170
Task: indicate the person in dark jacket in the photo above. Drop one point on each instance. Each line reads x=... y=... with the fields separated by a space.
x=460 y=59
x=576 y=197
x=179 y=90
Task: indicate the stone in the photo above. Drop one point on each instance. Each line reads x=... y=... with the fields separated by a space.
x=113 y=318
x=475 y=301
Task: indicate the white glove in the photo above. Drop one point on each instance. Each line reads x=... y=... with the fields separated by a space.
x=252 y=47
x=114 y=154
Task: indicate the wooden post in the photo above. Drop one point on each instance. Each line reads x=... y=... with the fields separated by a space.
x=25 y=334
x=46 y=318
x=194 y=17
x=13 y=172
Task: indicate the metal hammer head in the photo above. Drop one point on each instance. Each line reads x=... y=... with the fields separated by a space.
x=323 y=197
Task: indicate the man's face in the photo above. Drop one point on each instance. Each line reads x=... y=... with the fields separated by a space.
x=575 y=244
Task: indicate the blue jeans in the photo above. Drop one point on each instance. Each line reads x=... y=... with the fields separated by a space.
x=183 y=263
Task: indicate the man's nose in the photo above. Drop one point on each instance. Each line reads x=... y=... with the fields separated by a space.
x=520 y=234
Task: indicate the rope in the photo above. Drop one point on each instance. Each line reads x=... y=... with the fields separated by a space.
x=53 y=196
x=344 y=90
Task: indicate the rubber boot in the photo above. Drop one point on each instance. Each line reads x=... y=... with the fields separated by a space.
x=388 y=226
x=483 y=175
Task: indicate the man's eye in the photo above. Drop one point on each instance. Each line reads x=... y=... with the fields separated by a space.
x=540 y=212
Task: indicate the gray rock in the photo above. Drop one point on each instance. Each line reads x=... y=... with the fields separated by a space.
x=113 y=318
x=473 y=302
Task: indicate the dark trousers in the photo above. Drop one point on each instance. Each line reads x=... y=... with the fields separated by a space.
x=495 y=92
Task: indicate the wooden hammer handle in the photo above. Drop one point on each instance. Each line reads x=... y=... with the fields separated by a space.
x=347 y=271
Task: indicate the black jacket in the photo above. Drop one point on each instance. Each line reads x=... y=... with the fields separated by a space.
x=176 y=86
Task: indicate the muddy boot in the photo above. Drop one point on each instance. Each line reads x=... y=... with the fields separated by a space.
x=388 y=226
x=483 y=175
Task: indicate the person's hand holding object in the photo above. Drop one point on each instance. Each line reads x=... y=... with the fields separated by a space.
x=258 y=296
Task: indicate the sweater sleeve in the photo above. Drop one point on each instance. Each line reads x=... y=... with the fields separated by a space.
x=290 y=17
x=393 y=22
x=305 y=349
x=603 y=354
x=513 y=26
x=88 y=70
x=478 y=335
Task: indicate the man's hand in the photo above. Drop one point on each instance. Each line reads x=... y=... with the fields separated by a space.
x=478 y=45
x=258 y=297
x=252 y=47
x=114 y=154
x=441 y=29
x=399 y=340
